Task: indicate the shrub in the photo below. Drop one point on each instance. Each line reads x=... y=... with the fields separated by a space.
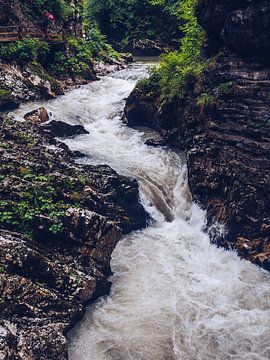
x=225 y=88
x=35 y=9
x=178 y=67
x=207 y=100
x=78 y=60
x=25 y=50
x=125 y=20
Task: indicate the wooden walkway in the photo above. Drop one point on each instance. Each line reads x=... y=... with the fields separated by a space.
x=15 y=33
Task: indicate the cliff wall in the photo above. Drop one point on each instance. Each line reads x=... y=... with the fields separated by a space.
x=223 y=124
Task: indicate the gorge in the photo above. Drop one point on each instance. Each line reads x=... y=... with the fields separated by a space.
x=126 y=201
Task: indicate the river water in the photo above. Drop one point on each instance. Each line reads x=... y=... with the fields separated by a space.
x=174 y=295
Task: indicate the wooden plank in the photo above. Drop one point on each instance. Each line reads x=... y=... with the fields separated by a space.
x=9 y=33
x=9 y=39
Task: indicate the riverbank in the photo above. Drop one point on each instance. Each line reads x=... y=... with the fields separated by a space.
x=219 y=116
x=59 y=222
x=22 y=82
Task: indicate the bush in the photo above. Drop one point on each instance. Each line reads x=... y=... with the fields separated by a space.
x=125 y=20
x=35 y=9
x=98 y=44
x=25 y=50
x=78 y=60
x=178 y=67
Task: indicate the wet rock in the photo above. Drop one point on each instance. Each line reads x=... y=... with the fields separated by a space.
x=7 y=101
x=157 y=141
x=68 y=219
x=78 y=154
x=62 y=129
x=27 y=82
x=37 y=116
x=128 y=58
x=241 y=25
x=227 y=140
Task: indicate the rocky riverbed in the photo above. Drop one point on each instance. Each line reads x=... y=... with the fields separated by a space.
x=68 y=219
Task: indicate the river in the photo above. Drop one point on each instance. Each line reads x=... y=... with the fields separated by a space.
x=174 y=295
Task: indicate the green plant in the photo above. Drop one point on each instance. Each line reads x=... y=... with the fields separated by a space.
x=25 y=50
x=4 y=93
x=60 y=8
x=225 y=88
x=126 y=20
x=57 y=228
x=78 y=60
x=5 y=146
x=179 y=69
x=207 y=100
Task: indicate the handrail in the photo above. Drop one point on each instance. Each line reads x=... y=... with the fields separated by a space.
x=14 y=33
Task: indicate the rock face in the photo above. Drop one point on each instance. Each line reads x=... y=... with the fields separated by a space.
x=68 y=219
x=241 y=25
x=14 y=12
x=25 y=83
x=148 y=47
x=224 y=126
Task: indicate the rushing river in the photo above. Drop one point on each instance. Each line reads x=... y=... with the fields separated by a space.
x=174 y=295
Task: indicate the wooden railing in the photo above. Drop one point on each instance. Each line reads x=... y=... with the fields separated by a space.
x=14 y=33
x=10 y=33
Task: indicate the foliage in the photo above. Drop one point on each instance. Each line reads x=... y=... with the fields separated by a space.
x=98 y=44
x=35 y=9
x=5 y=96
x=25 y=50
x=177 y=68
x=79 y=59
x=76 y=60
x=207 y=100
x=125 y=20
x=225 y=88
x=41 y=198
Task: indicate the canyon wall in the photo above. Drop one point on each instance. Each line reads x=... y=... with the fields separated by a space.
x=223 y=124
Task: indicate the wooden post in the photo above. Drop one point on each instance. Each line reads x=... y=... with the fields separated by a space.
x=20 y=33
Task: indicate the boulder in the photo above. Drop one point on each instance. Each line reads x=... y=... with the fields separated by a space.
x=7 y=101
x=62 y=129
x=37 y=116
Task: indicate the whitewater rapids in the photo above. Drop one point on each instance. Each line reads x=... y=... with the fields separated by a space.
x=174 y=295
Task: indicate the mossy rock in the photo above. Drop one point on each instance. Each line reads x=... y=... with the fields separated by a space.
x=7 y=101
x=38 y=69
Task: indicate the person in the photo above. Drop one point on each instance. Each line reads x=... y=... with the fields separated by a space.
x=45 y=22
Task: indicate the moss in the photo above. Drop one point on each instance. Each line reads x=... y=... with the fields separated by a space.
x=5 y=146
x=4 y=94
x=7 y=100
